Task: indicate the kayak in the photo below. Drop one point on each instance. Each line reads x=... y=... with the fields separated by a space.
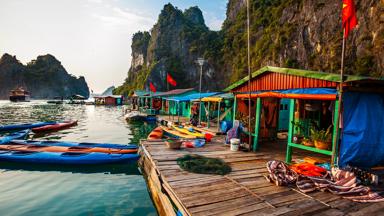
x=204 y=130
x=66 y=158
x=16 y=135
x=187 y=131
x=55 y=127
x=24 y=126
x=76 y=149
x=72 y=144
x=170 y=132
x=157 y=133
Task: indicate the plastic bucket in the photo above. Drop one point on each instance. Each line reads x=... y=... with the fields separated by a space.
x=208 y=137
x=235 y=144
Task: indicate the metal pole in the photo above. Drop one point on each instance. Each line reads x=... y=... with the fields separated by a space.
x=339 y=109
x=249 y=78
x=201 y=76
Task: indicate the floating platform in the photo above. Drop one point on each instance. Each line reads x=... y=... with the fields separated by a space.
x=244 y=191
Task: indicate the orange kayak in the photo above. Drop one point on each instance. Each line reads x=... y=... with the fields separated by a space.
x=157 y=133
x=74 y=149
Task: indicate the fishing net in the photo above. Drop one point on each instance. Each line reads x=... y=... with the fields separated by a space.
x=203 y=165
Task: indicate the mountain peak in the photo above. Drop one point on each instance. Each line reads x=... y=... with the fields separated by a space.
x=194 y=15
x=7 y=58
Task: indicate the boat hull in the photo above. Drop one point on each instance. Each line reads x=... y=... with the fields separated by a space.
x=66 y=158
x=71 y=144
x=24 y=126
x=19 y=98
x=55 y=127
x=12 y=136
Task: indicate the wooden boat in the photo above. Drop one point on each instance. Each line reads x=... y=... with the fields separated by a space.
x=19 y=95
x=76 y=149
x=66 y=158
x=171 y=132
x=157 y=133
x=17 y=135
x=137 y=116
x=55 y=127
x=186 y=131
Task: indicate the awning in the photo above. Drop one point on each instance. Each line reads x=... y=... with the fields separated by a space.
x=308 y=94
x=191 y=97
x=218 y=98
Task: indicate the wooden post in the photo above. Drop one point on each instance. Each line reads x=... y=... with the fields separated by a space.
x=288 y=157
x=257 y=124
x=218 y=116
x=335 y=135
x=234 y=110
x=178 y=112
x=207 y=114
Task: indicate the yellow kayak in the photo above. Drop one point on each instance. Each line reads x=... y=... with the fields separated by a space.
x=186 y=131
x=171 y=132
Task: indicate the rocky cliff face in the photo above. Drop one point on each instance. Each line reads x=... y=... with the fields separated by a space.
x=175 y=42
x=44 y=77
x=303 y=34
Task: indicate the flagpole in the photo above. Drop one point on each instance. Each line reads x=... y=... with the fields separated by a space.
x=249 y=79
x=339 y=109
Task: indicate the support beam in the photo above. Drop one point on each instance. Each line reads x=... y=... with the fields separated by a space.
x=288 y=156
x=234 y=110
x=257 y=124
x=207 y=114
x=335 y=135
x=218 y=116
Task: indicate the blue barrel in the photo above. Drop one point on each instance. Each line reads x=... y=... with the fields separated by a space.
x=225 y=126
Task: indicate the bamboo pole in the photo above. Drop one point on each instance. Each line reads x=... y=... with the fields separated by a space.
x=249 y=78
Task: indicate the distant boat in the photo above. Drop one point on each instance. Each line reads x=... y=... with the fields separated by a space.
x=19 y=95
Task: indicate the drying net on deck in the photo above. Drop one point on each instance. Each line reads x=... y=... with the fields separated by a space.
x=203 y=165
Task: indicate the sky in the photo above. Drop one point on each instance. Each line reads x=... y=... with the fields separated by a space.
x=91 y=38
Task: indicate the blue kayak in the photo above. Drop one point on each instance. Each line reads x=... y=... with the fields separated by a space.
x=24 y=126
x=66 y=158
x=17 y=135
x=71 y=144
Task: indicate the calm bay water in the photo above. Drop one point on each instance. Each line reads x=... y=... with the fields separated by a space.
x=67 y=190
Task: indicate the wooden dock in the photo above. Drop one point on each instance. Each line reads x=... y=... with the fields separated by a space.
x=244 y=191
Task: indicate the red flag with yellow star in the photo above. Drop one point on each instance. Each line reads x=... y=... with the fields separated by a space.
x=349 y=16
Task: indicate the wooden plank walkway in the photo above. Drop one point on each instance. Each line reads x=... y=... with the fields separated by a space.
x=242 y=192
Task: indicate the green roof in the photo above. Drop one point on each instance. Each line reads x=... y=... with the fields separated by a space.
x=302 y=73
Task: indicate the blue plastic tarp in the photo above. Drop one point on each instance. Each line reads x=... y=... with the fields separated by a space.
x=192 y=97
x=320 y=91
x=362 y=142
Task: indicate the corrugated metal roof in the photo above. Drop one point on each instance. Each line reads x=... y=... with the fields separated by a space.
x=192 y=97
x=331 y=77
x=140 y=93
x=172 y=92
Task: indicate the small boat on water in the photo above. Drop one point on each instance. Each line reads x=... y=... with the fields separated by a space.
x=157 y=133
x=66 y=158
x=171 y=132
x=76 y=149
x=137 y=116
x=24 y=126
x=55 y=127
x=71 y=144
x=19 y=95
x=17 y=135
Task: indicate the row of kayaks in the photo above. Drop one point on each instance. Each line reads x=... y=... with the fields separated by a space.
x=39 y=127
x=13 y=148
x=179 y=132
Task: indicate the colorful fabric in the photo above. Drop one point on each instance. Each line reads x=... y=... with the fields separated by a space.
x=343 y=183
x=233 y=132
x=170 y=80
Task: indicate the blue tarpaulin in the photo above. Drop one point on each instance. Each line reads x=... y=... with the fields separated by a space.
x=192 y=97
x=362 y=142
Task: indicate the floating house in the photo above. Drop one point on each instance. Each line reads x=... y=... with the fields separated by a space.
x=112 y=100
x=306 y=105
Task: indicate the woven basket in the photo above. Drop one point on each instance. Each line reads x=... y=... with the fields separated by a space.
x=322 y=145
x=173 y=143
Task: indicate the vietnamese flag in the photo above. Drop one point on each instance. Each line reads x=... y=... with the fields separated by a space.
x=170 y=80
x=349 y=16
x=152 y=87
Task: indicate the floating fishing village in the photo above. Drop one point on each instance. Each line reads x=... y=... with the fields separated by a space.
x=263 y=116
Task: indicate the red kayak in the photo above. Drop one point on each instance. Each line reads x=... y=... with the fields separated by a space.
x=55 y=127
